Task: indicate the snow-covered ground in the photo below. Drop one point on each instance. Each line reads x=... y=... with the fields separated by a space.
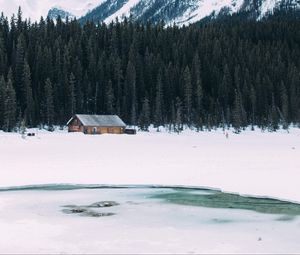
x=252 y=163
x=32 y=222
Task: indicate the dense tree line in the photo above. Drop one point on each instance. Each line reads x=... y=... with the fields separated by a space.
x=230 y=73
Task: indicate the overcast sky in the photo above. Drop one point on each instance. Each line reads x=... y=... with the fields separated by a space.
x=37 y=8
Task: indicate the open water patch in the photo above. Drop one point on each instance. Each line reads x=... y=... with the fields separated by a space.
x=221 y=200
x=177 y=195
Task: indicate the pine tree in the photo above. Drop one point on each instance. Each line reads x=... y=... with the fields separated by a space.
x=118 y=77
x=284 y=111
x=225 y=87
x=19 y=69
x=96 y=98
x=253 y=104
x=144 y=120
x=71 y=95
x=237 y=112
x=273 y=116
x=58 y=88
x=158 y=115
x=68 y=91
x=130 y=93
x=110 y=98
x=294 y=92
x=2 y=99
x=3 y=55
x=23 y=128
x=27 y=95
x=19 y=20
x=49 y=108
x=178 y=116
x=187 y=83
x=78 y=88
x=198 y=101
x=133 y=117
x=9 y=107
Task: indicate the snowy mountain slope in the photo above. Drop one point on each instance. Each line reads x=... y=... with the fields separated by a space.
x=184 y=12
x=34 y=9
x=56 y=12
x=124 y=11
x=106 y=9
x=268 y=6
x=181 y=12
x=171 y=11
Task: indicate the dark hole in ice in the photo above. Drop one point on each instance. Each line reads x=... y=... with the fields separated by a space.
x=75 y=210
x=86 y=211
x=103 y=204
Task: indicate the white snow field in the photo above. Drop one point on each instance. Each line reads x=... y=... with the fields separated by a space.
x=251 y=163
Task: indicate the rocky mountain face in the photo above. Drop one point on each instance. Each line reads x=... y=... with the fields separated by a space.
x=179 y=12
x=55 y=12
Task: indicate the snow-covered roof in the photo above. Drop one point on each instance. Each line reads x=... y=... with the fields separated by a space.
x=99 y=120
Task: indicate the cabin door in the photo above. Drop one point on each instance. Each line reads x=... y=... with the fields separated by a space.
x=94 y=130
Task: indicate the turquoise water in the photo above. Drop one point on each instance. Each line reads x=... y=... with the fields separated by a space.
x=185 y=196
x=217 y=199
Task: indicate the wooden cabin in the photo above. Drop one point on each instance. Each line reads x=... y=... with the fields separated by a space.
x=96 y=124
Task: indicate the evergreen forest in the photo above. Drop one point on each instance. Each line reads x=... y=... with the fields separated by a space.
x=227 y=73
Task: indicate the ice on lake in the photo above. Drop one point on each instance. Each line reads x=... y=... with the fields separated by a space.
x=144 y=220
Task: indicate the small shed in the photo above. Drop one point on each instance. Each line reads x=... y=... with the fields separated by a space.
x=96 y=124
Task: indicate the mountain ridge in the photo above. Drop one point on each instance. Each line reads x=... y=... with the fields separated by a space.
x=178 y=12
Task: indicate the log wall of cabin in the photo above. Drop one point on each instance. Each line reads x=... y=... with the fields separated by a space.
x=103 y=130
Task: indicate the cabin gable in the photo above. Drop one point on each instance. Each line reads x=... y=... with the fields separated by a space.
x=75 y=125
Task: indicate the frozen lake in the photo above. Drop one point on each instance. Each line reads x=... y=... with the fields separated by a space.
x=65 y=219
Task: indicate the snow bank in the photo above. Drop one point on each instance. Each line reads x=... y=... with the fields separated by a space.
x=252 y=163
